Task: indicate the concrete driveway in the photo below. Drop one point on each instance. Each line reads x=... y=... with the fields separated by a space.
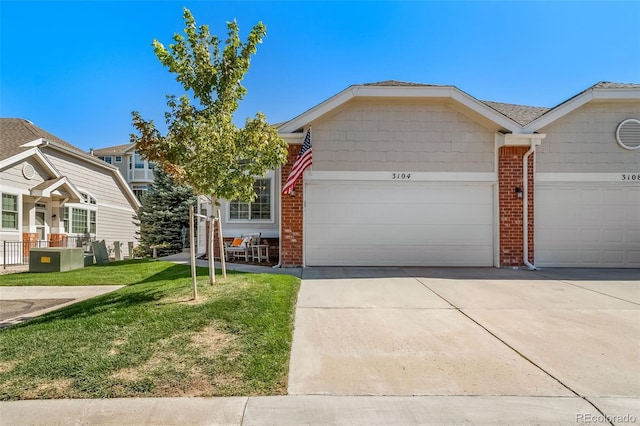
x=558 y=338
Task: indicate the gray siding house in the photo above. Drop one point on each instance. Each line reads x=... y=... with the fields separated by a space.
x=52 y=191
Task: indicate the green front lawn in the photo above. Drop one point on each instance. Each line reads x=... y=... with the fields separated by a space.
x=150 y=339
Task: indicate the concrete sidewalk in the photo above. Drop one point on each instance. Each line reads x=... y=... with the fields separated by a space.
x=427 y=346
x=185 y=259
x=21 y=303
x=313 y=410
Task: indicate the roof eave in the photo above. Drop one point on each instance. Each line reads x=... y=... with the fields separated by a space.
x=407 y=92
x=593 y=93
x=133 y=200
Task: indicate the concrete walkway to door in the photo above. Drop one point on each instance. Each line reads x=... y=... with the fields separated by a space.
x=562 y=341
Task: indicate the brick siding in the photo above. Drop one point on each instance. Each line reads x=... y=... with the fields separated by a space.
x=511 y=206
x=292 y=208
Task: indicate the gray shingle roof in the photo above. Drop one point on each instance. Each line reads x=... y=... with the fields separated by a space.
x=112 y=150
x=611 y=85
x=18 y=131
x=521 y=114
x=15 y=132
x=399 y=83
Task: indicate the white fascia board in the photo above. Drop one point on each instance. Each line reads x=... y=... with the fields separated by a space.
x=520 y=139
x=82 y=156
x=317 y=111
x=33 y=143
x=292 y=138
x=575 y=103
x=407 y=92
x=133 y=200
x=39 y=157
x=62 y=182
x=559 y=111
x=489 y=113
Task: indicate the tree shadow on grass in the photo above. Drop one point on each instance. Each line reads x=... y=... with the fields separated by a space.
x=135 y=294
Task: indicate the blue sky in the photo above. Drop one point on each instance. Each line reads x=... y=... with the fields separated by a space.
x=77 y=69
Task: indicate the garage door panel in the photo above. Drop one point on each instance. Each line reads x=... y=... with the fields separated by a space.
x=409 y=223
x=597 y=226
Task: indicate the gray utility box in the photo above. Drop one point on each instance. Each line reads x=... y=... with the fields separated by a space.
x=55 y=259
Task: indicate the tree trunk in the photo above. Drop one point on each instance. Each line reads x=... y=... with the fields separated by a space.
x=223 y=265
x=212 y=224
x=192 y=249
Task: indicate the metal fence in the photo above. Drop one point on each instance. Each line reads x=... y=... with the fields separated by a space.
x=17 y=252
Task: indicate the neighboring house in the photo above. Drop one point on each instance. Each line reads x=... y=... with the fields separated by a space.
x=413 y=174
x=137 y=171
x=52 y=190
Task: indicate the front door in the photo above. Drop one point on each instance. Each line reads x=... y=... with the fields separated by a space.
x=40 y=222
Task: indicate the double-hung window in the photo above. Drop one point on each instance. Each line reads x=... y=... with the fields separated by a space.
x=9 y=211
x=261 y=209
x=139 y=162
x=79 y=221
x=81 y=218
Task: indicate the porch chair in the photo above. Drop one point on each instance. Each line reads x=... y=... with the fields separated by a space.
x=241 y=247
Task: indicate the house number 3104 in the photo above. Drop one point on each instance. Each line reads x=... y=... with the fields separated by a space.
x=400 y=176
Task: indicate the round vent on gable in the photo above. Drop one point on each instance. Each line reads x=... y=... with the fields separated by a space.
x=28 y=171
x=628 y=134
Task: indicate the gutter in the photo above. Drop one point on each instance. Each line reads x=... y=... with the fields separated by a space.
x=533 y=143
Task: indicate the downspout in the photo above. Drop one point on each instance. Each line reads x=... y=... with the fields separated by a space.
x=525 y=203
x=279 y=265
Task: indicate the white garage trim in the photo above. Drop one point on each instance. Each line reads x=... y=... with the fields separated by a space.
x=402 y=175
x=630 y=176
x=399 y=223
x=587 y=224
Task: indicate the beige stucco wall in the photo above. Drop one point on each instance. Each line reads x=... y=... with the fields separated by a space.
x=387 y=135
x=584 y=141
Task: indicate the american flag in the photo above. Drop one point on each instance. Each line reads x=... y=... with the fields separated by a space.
x=300 y=165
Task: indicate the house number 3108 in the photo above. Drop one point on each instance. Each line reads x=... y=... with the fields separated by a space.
x=631 y=176
x=400 y=176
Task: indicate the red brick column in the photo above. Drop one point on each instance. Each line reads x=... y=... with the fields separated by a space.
x=511 y=206
x=291 y=216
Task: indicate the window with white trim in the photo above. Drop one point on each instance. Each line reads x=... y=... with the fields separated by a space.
x=81 y=218
x=261 y=209
x=9 y=211
x=139 y=162
x=118 y=158
x=79 y=221
x=139 y=190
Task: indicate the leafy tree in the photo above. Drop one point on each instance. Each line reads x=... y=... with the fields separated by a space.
x=164 y=216
x=203 y=147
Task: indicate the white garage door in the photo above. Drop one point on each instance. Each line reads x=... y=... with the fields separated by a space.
x=587 y=225
x=398 y=223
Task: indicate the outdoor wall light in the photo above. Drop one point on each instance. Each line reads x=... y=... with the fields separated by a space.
x=53 y=217
x=519 y=192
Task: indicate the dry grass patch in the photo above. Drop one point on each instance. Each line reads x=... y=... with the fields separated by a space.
x=50 y=390
x=211 y=340
x=8 y=366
